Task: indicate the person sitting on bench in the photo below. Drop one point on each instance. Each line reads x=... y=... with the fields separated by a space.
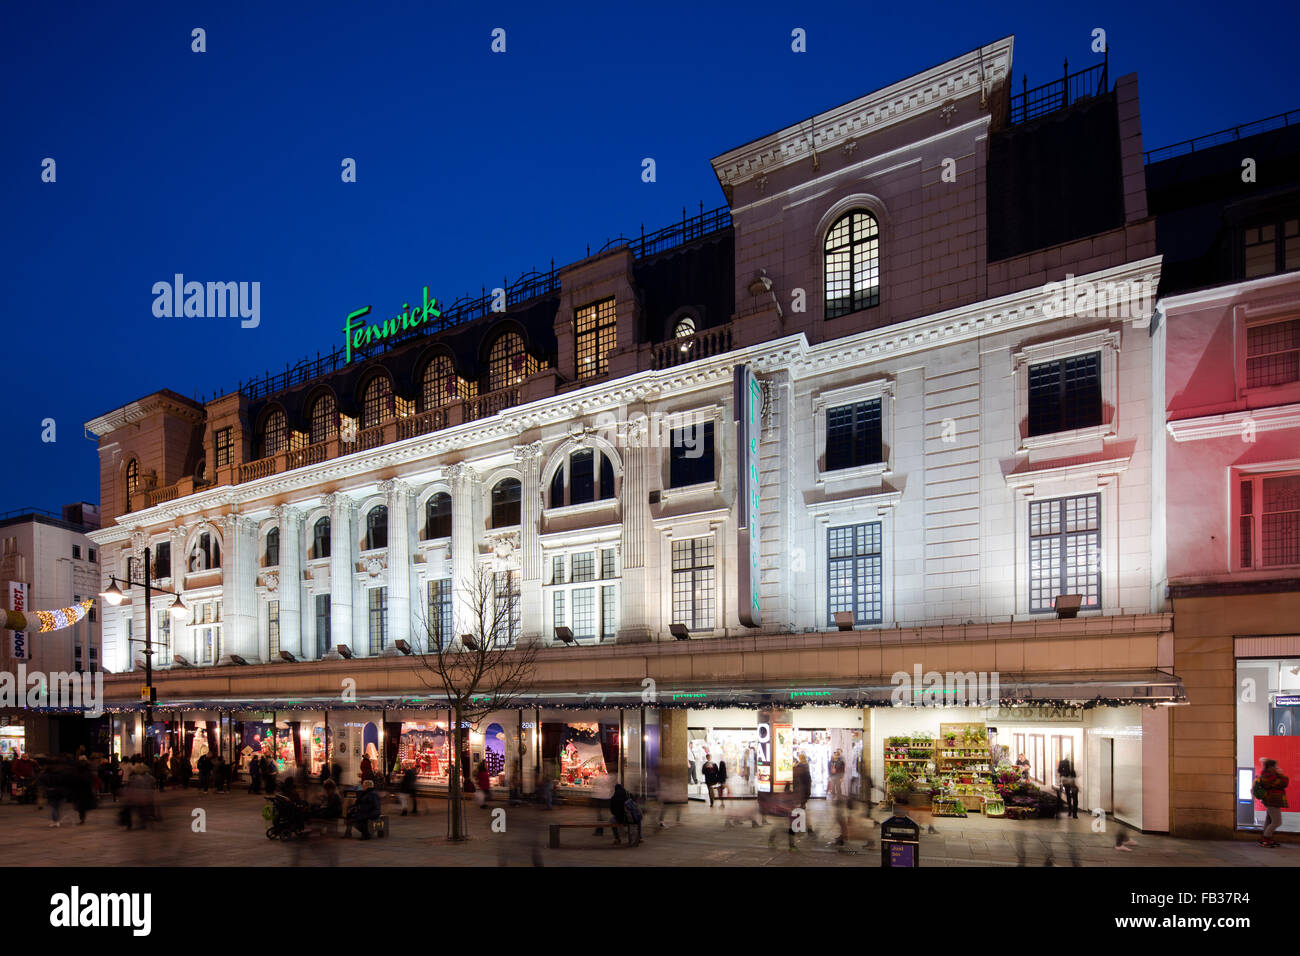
x=366 y=810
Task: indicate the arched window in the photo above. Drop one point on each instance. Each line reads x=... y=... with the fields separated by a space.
x=320 y=539
x=324 y=419
x=587 y=475
x=273 y=548
x=275 y=435
x=437 y=516
x=505 y=503
x=132 y=481
x=684 y=328
x=377 y=527
x=206 y=553
x=507 y=364
x=438 y=386
x=377 y=405
x=852 y=264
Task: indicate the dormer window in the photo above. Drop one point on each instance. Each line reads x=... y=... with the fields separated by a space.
x=852 y=261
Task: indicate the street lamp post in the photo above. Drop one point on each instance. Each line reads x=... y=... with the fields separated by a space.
x=114 y=596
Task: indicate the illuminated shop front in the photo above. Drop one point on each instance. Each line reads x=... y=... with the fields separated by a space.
x=1268 y=727
x=12 y=740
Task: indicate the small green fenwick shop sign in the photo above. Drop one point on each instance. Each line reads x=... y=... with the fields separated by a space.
x=748 y=402
x=357 y=334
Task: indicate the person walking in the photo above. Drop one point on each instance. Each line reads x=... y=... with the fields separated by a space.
x=617 y=807
x=1069 y=781
x=53 y=781
x=182 y=770
x=546 y=785
x=269 y=774
x=81 y=789
x=803 y=788
x=205 y=772
x=483 y=780
x=220 y=774
x=254 y=774
x=408 y=792
x=602 y=791
x=710 y=777
x=160 y=771
x=722 y=782
x=1270 y=790
x=367 y=769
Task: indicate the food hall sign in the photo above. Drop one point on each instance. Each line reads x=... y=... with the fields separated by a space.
x=357 y=334
x=1038 y=714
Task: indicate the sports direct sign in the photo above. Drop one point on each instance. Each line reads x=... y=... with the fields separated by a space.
x=18 y=602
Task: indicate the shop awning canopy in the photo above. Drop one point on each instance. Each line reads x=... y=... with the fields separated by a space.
x=1109 y=689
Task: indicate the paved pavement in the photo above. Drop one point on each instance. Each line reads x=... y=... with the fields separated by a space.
x=233 y=834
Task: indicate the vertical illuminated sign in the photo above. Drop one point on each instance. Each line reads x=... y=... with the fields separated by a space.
x=18 y=602
x=748 y=404
x=775 y=750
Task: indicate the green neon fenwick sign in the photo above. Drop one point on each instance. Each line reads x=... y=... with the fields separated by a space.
x=358 y=335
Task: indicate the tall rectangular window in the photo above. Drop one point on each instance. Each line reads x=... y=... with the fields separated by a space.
x=1269 y=521
x=853 y=435
x=693 y=580
x=1065 y=394
x=378 y=619
x=225 y=447
x=584 y=613
x=691 y=455
x=506 y=615
x=76 y=552
x=584 y=566
x=162 y=560
x=608 y=612
x=273 y=628
x=440 y=623
x=322 y=625
x=1064 y=551
x=1273 y=354
x=854 y=579
x=596 y=330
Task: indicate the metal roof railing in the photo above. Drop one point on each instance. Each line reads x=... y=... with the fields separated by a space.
x=1059 y=94
x=1223 y=136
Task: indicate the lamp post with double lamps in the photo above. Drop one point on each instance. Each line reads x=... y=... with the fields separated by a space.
x=114 y=596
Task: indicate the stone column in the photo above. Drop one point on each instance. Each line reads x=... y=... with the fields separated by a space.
x=530 y=545
x=138 y=612
x=341 y=509
x=399 y=561
x=464 y=542
x=673 y=756
x=238 y=590
x=634 y=621
x=289 y=521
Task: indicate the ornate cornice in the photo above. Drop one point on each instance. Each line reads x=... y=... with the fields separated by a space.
x=966 y=75
x=1235 y=424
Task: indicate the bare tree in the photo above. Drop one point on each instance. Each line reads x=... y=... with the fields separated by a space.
x=482 y=670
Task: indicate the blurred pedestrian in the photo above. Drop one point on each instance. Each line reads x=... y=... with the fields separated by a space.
x=254 y=774
x=546 y=785
x=81 y=789
x=483 y=780
x=1270 y=790
x=407 y=794
x=269 y=774
x=710 y=777
x=55 y=786
x=205 y=771
x=1069 y=782
x=602 y=792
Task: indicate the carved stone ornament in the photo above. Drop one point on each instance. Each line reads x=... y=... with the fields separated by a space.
x=271 y=581
x=529 y=452
x=372 y=566
x=461 y=472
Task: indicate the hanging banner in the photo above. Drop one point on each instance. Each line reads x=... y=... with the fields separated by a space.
x=748 y=410
x=18 y=604
x=775 y=750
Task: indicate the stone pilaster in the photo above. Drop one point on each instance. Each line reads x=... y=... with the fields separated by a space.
x=342 y=510
x=239 y=632
x=634 y=618
x=289 y=521
x=399 y=560
x=530 y=546
x=138 y=611
x=464 y=542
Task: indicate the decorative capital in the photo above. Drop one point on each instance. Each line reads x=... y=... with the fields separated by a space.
x=285 y=514
x=528 y=453
x=393 y=487
x=461 y=472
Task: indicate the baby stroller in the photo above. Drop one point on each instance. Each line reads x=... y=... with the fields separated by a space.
x=288 y=819
x=24 y=790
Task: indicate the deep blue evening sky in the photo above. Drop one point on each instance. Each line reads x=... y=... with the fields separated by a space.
x=225 y=165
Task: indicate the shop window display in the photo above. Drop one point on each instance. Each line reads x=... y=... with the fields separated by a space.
x=494 y=752
x=11 y=741
x=1268 y=727
x=737 y=746
x=426 y=746
x=582 y=756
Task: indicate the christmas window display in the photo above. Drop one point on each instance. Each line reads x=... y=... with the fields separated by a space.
x=494 y=752
x=426 y=746
x=582 y=759
x=257 y=740
x=319 y=748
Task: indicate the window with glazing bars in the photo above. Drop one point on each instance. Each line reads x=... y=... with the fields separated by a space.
x=853 y=579
x=225 y=447
x=377 y=527
x=1270 y=515
x=162 y=560
x=1065 y=394
x=595 y=330
x=322 y=625
x=506 y=616
x=132 y=481
x=1273 y=353
x=505 y=503
x=1271 y=247
x=273 y=628
x=1064 y=551
x=853 y=435
x=273 y=548
x=607 y=563
x=438 y=384
x=506 y=363
x=378 y=620
x=437 y=516
x=608 y=612
x=584 y=614
x=324 y=420
x=320 y=534
x=852 y=264
x=275 y=435
x=440 y=623
x=377 y=406
x=693 y=580
x=584 y=566
x=691 y=455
